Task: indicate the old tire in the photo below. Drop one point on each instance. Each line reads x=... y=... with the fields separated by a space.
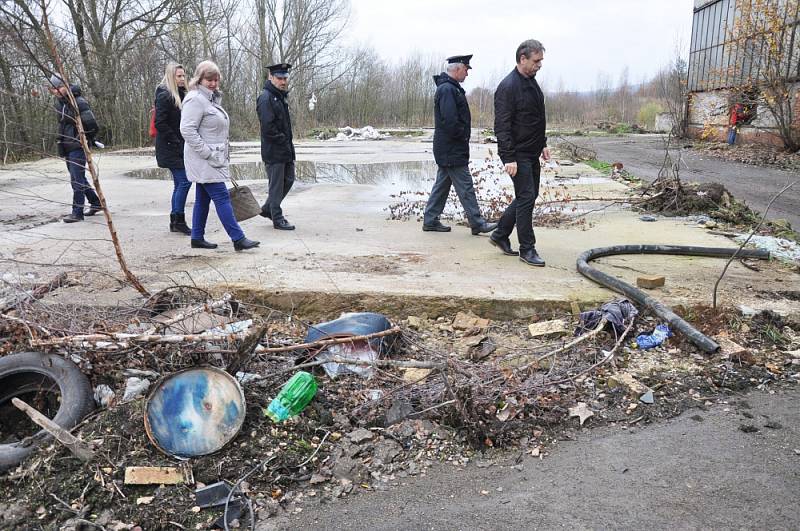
x=59 y=380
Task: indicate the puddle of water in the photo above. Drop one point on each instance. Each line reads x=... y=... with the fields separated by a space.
x=394 y=173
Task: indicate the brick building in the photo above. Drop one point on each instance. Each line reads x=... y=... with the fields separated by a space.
x=719 y=70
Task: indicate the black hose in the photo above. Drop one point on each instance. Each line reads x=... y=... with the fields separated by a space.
x=699 y=339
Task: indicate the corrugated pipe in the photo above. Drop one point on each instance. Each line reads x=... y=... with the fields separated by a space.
x=638 y=296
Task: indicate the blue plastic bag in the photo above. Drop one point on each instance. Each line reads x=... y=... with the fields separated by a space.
x=659 y=335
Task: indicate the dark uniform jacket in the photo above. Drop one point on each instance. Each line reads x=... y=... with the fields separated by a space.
x=519 y=118
x=276 y=126
x=169 y=141
x=67 y=129
x=452 y=120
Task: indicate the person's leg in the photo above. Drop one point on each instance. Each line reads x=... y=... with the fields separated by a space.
x=526 y=189
x=180 y=190
x=731 y=135
x=76 y=165
x=438 y=198
x=465 y=190
x=276 y=175
x=222 y=203
x=200 y=212
x=288 y=179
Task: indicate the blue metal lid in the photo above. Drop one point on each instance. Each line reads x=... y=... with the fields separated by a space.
x=194 y=412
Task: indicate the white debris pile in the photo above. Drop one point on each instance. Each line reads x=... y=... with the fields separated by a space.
x=363 y=133
x=778 y=247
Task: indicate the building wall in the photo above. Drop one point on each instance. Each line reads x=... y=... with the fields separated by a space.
x=709 y=115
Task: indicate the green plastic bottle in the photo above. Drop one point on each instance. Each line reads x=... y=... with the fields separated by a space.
x=295 y=395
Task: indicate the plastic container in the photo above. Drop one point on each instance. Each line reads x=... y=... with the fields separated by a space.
x=659 y=335
x=295 y=395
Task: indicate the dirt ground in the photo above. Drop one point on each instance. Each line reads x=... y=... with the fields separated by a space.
x=503 y=437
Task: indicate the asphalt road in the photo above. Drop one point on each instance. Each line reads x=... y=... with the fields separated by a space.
x=698 y=471
x=643 y=156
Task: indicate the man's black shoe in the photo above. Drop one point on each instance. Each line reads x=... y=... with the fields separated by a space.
x=532 y=258
x=436 y=226
x=282 y=224
x=504 y=245
x=483 y=228
x=72 y=218
x=94 y=210
x=244 y=243
x=265 y=212
x=203 y=244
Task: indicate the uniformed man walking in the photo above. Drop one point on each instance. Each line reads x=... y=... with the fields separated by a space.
x=277 y=149
x=519 y=123
x=453 y=122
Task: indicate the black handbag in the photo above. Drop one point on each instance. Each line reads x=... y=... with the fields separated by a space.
x=244 y=203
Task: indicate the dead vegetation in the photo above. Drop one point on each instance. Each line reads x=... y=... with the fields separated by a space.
x=473 y=385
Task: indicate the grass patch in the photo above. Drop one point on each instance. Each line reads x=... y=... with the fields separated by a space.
x=600 y=165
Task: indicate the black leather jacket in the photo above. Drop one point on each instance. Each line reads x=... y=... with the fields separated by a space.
x=519 y=118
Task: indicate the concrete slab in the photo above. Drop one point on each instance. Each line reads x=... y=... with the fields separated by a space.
x=346 y=250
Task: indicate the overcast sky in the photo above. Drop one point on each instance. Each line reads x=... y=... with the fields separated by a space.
x=583 y=38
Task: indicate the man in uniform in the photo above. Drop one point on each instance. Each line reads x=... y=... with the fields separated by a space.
x=519 y=124
x=277 y=149
x=453 y=121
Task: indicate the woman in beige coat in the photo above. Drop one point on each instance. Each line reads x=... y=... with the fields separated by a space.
x=205 y=126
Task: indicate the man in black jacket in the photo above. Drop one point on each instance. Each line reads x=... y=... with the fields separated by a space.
x=519 y=124
x=277 y=149
x=69 y=146
x=453 y=122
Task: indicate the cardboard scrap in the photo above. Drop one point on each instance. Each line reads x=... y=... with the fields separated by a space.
x=557 y=327
x=155 y=475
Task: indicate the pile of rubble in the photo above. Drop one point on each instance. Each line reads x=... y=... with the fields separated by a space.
x=444 y=389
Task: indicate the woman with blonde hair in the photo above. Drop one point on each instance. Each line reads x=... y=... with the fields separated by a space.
x=205 y=126
x=169 y=142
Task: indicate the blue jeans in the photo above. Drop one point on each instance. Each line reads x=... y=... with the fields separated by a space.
x=217 y=192
x=81 y=189
x=731 y=135
x=180 y=189
x=460 y=179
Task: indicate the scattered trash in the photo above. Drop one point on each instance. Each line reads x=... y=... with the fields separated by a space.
x=135 y=387
x=361 y=350
x=730 y=349
x=145 y=500
x=647 y=398
x=194 y=412
x=104 y=395
x=247 y=377
x=219 y=495
x=557 y=327
x=232 y=328
x=581 y=411
x=659 y=335
x=779 y=247
x=347 y=325
x=157 y=475
x=364 y=133
x=617 y=313
x=293 y=398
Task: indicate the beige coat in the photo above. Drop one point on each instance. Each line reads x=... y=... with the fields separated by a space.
x=205 y=126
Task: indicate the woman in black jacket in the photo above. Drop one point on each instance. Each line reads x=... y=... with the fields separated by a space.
x=169 y=142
